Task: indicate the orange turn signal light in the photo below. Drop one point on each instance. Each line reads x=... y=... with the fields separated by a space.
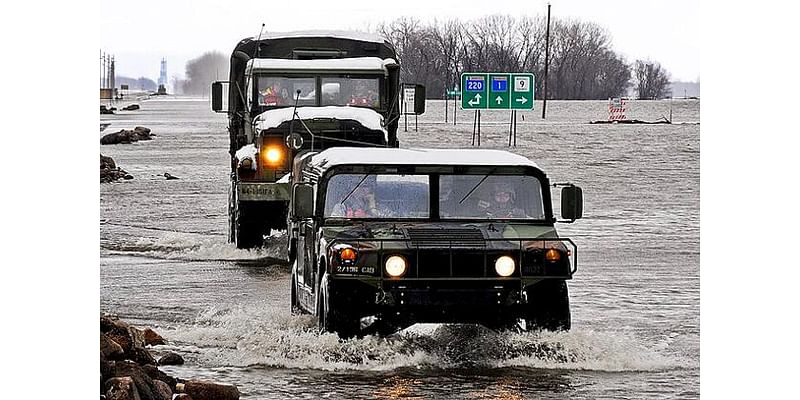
x=552 y=255
x=347 y=254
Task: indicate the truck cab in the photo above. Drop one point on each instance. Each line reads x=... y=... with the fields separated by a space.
x=383 y=238
x=294 y=92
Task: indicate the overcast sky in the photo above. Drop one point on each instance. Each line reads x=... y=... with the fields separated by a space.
x=140 y=33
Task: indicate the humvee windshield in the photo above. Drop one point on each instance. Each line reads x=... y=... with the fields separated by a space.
x=490 y=196
x=378 y=196
x=408 y=196
x=277 y=91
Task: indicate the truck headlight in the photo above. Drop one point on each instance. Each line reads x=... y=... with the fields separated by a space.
x=504 y=266
x=396 y=266
x=273 y=155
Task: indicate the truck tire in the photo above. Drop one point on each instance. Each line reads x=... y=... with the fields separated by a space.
x=548 y=306
x=331 y=318
x=248 y=228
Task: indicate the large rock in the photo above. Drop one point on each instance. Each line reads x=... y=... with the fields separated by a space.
x=144 y=384
x=127 y=136
x=109 y=349
x=109 y=172
x=153 y=372
x=170 y=358
x=163 y=389
x=151 y=338
x=121 y=388
x=205 y=390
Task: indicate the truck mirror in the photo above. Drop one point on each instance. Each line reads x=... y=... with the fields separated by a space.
x=571 y=202
x=419 y=99
x=303 y=201
x=216 y=97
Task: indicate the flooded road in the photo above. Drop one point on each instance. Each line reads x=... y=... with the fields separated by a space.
x=165 y=263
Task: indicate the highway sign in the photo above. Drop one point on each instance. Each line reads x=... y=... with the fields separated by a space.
x=495 y=91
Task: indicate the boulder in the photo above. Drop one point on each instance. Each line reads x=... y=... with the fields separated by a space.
x=144 y=384
x=163 y=389
x=109 y=349
x=170 y=358
x=121 y=388
x=109 y=172
x=182 y=396
x=156 y=374
x=127 y=136
x=205 y=390
x=151 y=338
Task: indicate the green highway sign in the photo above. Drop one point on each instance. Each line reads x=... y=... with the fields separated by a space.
x=497 y=91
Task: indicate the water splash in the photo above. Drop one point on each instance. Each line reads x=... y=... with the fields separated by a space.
x=264 y=335
x=195 y=247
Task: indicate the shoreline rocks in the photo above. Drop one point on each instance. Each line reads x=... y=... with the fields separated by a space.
x=128 y=136
x=109 y=172
x=129 y=372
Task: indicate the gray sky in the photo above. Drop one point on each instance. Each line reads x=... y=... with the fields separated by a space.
x=140 y=33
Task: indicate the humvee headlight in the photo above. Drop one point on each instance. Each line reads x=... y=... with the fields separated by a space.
x=347 y=254
x=552 y=255
x=504 y=266
x=396 y=266
x=273 y=155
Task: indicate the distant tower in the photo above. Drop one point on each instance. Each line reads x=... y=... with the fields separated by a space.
x=162 y=78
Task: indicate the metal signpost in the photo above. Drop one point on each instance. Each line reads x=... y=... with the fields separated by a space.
x=496 y=91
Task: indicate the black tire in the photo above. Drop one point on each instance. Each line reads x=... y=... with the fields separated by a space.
x=332 y=319
x=548 y=306
x=248 y=228
x=296 y=309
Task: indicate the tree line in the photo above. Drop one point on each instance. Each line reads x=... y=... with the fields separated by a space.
x=582 y=63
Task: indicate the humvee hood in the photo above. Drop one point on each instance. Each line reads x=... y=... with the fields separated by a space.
x=438 y=231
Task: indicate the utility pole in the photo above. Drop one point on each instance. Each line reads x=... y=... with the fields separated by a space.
x=546 y=60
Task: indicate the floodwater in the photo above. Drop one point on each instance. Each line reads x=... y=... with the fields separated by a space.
x=165 y=263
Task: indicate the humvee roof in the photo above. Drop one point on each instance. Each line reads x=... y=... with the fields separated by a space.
x=394 y=156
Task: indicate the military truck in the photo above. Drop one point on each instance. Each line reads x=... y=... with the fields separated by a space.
x=297 y=91
x=385 y=238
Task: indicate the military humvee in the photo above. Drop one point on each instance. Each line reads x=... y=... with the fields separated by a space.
x=383 y=238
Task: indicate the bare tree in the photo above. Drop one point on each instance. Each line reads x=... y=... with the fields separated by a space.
x=203 y=70
x=653 y=81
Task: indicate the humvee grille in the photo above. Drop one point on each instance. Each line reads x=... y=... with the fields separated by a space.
x=456 y=238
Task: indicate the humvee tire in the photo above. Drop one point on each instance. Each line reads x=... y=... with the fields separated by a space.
x=548 y=306
x=295 y=303
x=331 y=318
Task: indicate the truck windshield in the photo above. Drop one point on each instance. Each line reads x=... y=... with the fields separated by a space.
x=490 y=197
x=349 y=91
x=377 y=196
x=282 y=91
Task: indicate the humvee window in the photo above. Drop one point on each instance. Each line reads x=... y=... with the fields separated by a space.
x=345 y=91
x=282 y=91
x=377 y=196
x=490 y=196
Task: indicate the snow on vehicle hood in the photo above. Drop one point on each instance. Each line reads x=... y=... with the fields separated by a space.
x=365 y=116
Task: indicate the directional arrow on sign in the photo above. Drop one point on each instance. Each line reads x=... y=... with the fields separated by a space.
x=477 y=100
x=499 y=99
x=522 y=100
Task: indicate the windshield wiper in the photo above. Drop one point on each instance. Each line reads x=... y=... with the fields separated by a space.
x=476 y=186
x=354 y=189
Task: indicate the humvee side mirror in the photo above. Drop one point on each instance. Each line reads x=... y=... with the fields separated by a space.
x=571 y=202
x=419 y=99
x=216 y=96
x=303 y=201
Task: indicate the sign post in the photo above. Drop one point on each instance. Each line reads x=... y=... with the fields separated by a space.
x=497 y=91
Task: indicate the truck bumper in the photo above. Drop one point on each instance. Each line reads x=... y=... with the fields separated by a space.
x=261 y=191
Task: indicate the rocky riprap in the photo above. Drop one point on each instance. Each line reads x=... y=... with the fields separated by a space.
x=109 y=172
x=129 y=372
x=128 y=136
